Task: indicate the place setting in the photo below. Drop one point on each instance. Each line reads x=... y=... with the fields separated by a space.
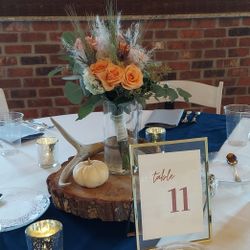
x=231 y=163
x=14 y=130
x=20 y=206
x=231 y=167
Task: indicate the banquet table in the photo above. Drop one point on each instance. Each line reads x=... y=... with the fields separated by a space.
x=230 y=205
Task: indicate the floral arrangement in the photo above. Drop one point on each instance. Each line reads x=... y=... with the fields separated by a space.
x=110 y=64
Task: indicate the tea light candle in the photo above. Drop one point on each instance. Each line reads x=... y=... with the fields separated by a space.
x=155 y=134
x=47 y=152
x=45 y=234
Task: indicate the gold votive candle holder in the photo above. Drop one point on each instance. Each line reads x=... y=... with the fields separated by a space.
x=45 y=234
x=155 y=134
x=47 y=152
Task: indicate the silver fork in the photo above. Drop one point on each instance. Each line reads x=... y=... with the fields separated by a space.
x=195 y=116
x=185 y=120
x=41 y=126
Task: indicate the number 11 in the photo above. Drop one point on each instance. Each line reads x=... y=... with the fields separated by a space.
x=185 y=199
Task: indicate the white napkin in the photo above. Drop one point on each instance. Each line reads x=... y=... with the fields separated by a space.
x=223 y=172
x=165 y=117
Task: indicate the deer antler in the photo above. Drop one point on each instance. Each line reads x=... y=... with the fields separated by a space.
x=83 y=152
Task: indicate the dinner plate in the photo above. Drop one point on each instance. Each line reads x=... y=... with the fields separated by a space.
x=21 y=206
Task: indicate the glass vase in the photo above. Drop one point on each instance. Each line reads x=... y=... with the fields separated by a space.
x=121 y=126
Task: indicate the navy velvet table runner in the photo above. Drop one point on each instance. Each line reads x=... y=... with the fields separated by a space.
x=83 y=234
x=211 y=126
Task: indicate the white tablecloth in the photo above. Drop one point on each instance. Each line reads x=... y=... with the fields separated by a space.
x=230 y=205
x=21 y=170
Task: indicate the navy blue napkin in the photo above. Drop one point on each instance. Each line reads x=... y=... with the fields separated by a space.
x=31 y=137
x=29 y=133
x=212 y=126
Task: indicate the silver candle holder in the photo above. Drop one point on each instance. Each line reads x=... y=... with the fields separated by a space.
x=47 y=152
x=45 y=234
x=155 y=134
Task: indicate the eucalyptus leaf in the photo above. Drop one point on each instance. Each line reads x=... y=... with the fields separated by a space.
x=68 y=58
x=172 y=94
x=184 y=94
x=77 y=69
x=69 y=38
x=89 y=106
x=158 y=90
x=71 y=78
x=73 y=92
x=142 y=101
x=55 y=71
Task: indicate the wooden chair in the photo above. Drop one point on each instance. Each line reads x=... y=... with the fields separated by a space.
x=202 y=94
x=3 y=102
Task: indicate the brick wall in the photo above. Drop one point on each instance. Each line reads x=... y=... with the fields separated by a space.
x=202 y=48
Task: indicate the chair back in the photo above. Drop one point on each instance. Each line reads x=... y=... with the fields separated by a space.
x=202 y=94
x=3 y=102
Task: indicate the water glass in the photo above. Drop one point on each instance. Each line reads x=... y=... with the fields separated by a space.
x=45 y=234
x=47 y=149
x=237 y=123
x=10 y=132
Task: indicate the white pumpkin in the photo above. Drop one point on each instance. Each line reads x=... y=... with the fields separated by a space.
x=91 y=173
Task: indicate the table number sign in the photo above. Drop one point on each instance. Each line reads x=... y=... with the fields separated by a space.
x=170 y=192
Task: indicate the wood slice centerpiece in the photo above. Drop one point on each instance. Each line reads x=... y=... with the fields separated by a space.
x=111 y=201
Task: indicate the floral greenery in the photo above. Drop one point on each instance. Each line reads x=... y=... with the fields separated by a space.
x=110 y=64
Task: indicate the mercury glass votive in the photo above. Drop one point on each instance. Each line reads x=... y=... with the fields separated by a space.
x=155 y=134
x=45 y=234
x=47 y=152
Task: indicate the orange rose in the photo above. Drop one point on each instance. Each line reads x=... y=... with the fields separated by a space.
x=112 y=77
x=99 y=67
x=133 y=78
